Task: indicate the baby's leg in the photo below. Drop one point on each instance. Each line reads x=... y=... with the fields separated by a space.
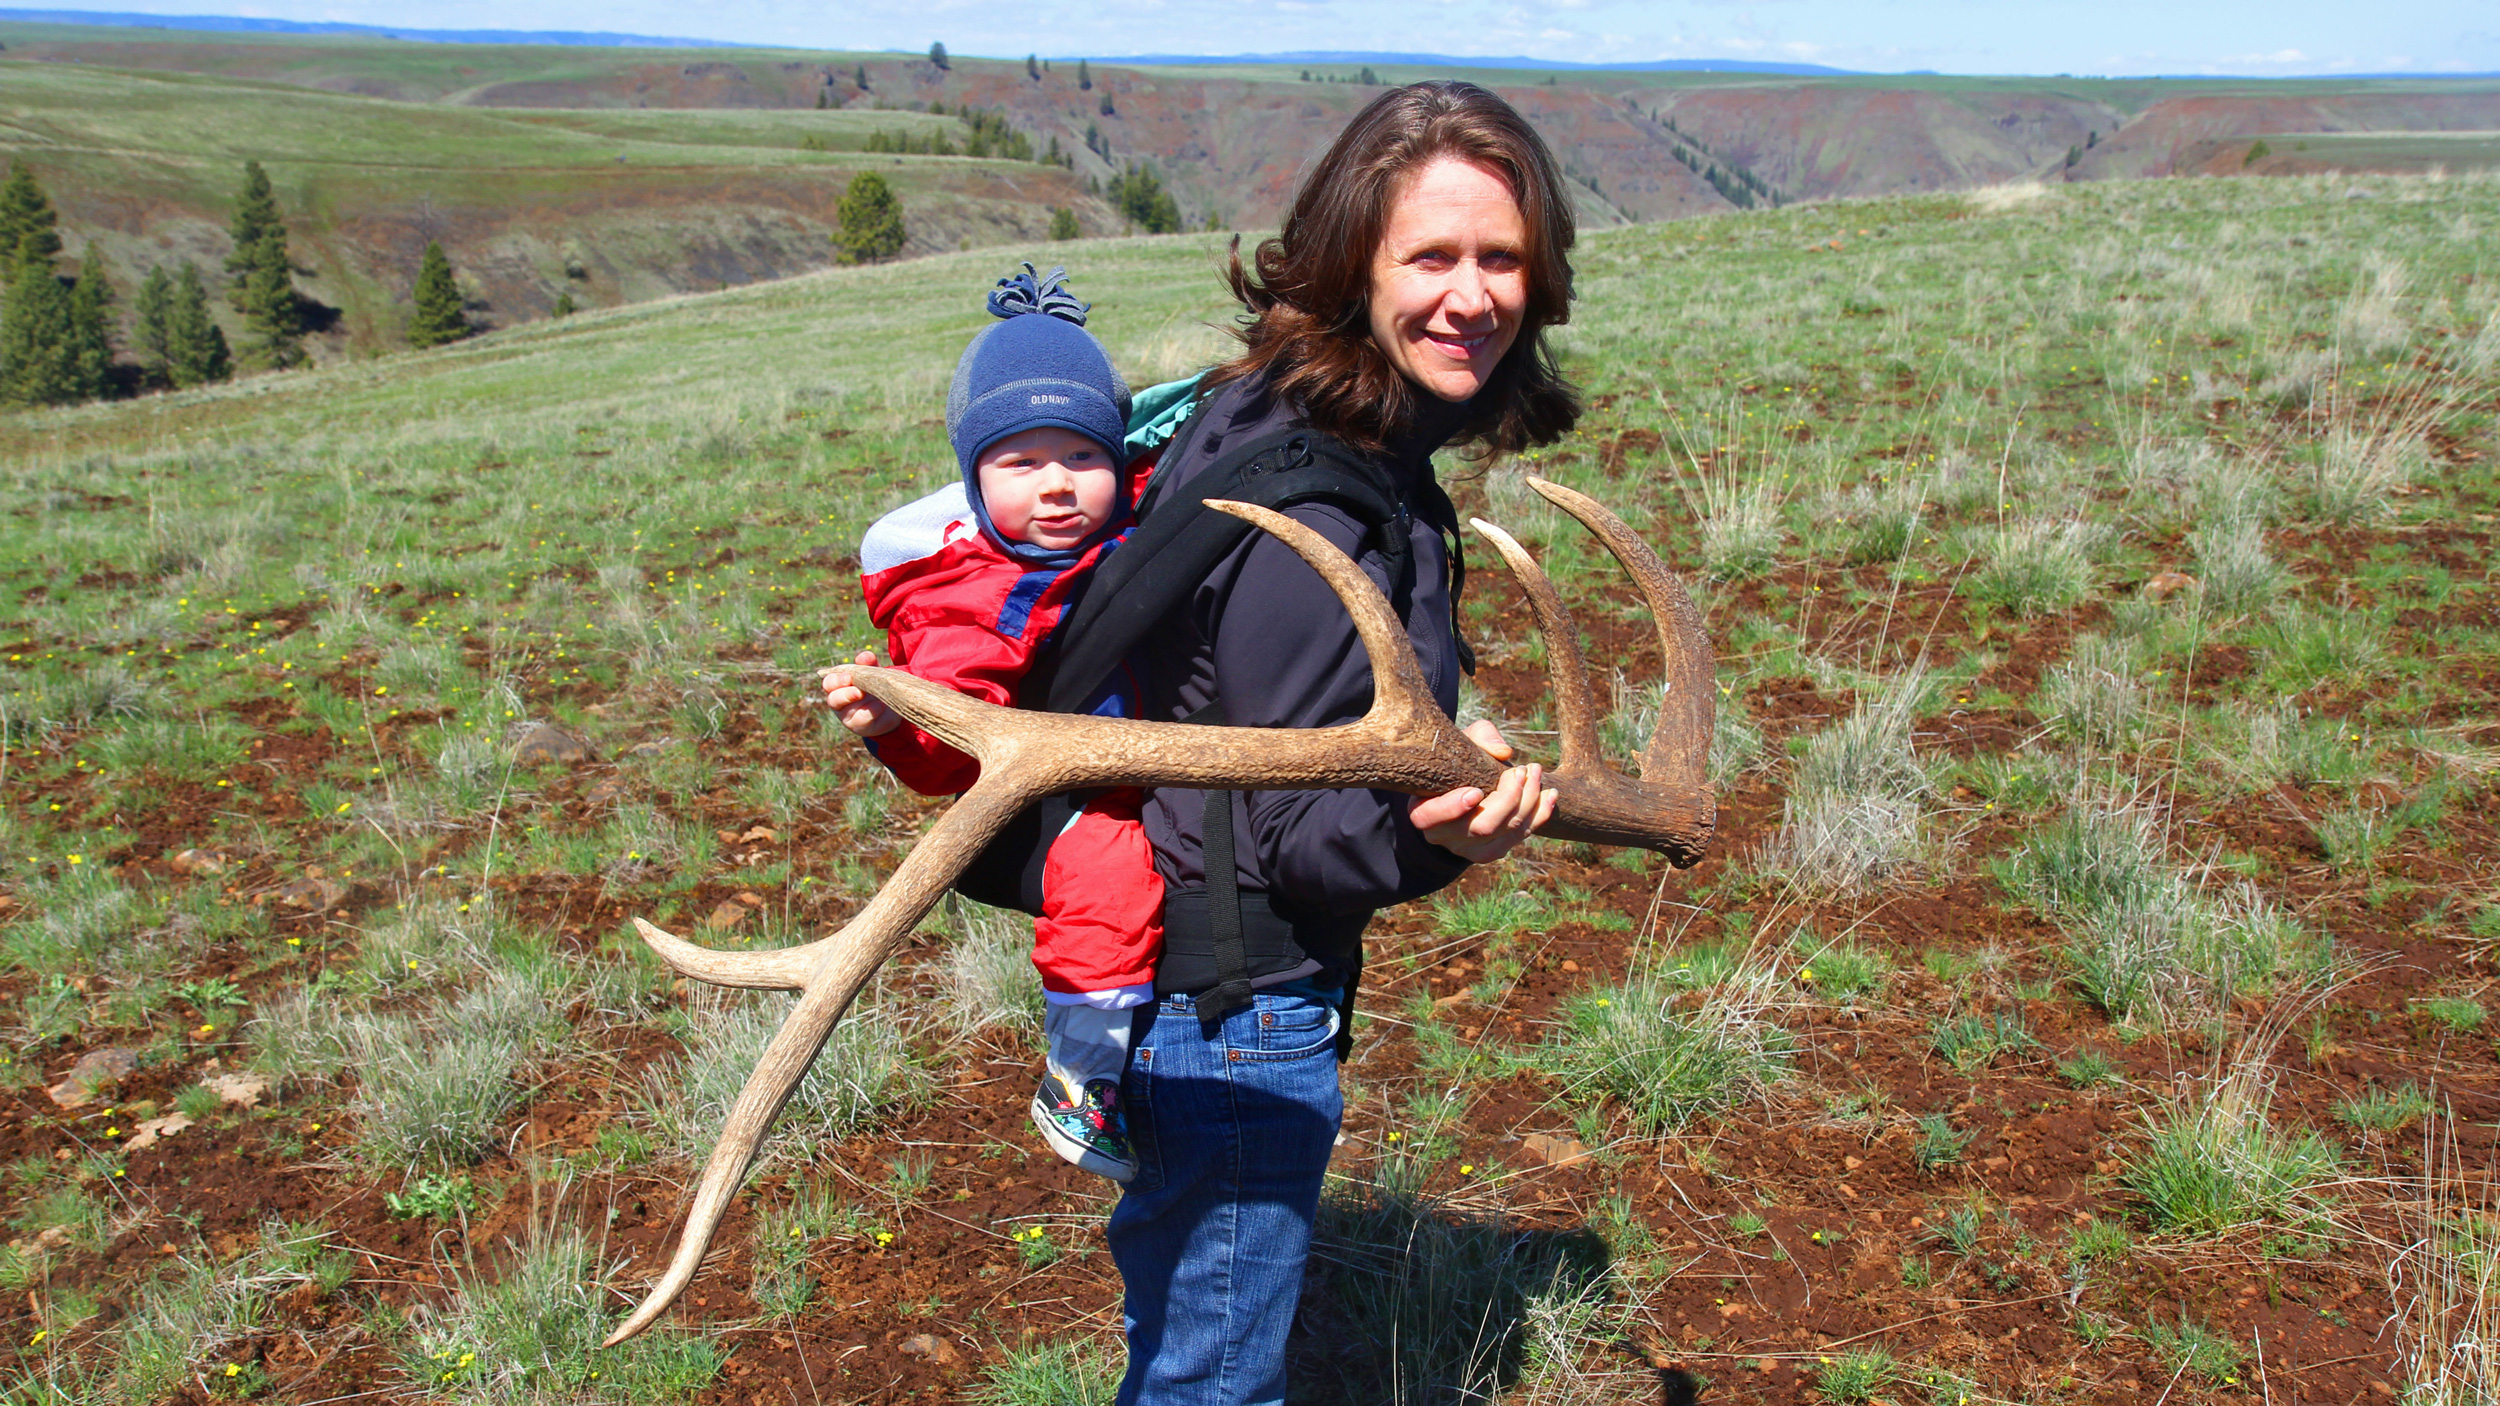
x=1095 y=946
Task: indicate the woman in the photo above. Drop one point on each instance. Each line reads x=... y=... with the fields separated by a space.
x=1401 y=309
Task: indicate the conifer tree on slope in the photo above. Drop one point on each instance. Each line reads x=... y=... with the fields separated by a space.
x=262 y=274
x=152 y=336
x=196 y=350
x=437 y=318
x=38 y=356
x=871 y=220
x=91 y=327
x=25 y=216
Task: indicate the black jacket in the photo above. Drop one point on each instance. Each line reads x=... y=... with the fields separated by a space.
x=1264 y=635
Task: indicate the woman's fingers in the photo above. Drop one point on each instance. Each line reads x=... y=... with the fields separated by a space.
x=1448 y=808
x=1484 y=734
x=1480 y=826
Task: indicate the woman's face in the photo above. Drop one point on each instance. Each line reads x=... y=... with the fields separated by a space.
x=1450 y=279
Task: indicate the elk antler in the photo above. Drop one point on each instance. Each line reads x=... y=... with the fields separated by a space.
x=1404 y=743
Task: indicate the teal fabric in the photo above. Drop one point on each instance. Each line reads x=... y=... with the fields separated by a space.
x=1157 y=413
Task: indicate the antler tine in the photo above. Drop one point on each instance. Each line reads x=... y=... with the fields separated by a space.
x=1399 y=694
x=782 y=969
x=1679 y=749
x=842 y=964
x=1574 y=703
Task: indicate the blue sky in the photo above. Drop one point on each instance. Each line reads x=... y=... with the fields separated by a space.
x=1952 y=36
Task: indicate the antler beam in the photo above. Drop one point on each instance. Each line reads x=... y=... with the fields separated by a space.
x=1404 y=743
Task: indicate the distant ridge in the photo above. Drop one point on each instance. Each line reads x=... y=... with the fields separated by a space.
x=237 y=24
x=1483 y=61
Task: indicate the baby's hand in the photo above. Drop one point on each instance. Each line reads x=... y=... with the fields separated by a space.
x=860 y=713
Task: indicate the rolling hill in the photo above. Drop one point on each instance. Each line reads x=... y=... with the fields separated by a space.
x=619 y=173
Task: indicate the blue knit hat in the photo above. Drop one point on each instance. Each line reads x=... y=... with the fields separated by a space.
x=1036 y=366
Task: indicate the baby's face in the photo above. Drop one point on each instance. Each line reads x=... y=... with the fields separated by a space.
x=1048 y=487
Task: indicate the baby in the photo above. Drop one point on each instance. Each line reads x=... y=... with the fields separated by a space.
x=968 y=584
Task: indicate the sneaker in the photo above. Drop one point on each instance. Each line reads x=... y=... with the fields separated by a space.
x=1092 y=1133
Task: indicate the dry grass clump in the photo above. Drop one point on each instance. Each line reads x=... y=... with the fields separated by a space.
x=2092 y=699
x=432 y=1089
x=2144 y=940
x=529 y=1336
x=866 y=1067
x=2038 y=566
x=2216 y=1161
x=1667 y=1049
x=988 y=974
x=1856 y=811
x=2444 y=1277
x=1467 y=1306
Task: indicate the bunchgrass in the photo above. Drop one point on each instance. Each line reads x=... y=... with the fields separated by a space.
x=2378 y=1109
x=2190 y=1347
x=1856 y=811
x=1441 y=1300
x=1856 y=1375
x=2036 y=567
x=988 y=970
x=2215 y=1161
x=1666 y=1052
x=1973 y=1042
x=1049 y=1374
x=867 y=1067
x=530 y=1334
x=2143 y=940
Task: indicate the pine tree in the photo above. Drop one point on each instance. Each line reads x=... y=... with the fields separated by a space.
x=196 y=346
x=26 y=219
x=1063 y=223
x=859 y=75
x=1033 y=67
x=255 y=221
x=155 y=333
x=273 y=316
x=1084 y=76
x=1138 y=194
x=91 y=327
x=263 y=274
x=871 y=219
x=937 y=56
x=38 y=355
x=437 y=318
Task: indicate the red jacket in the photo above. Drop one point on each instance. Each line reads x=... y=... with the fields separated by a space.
x=957 y=610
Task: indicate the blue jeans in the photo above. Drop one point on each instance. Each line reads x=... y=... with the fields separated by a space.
x=1233 y=1137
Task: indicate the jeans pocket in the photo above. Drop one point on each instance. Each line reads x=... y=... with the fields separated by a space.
x=1292 y=1030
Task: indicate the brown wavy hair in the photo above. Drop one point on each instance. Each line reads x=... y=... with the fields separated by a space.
x=1307 y=328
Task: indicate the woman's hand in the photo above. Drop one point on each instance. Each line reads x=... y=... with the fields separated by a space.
x=862 y=714
x=1481 y=828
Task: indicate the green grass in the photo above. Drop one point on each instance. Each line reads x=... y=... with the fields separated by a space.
x=2193 y=1347
x=1970 y=1043
x=1050 y=1374
x=2383 y=1110
x=1856 y=1375
x=1663 y=1054
x=531 y=1334
x=2219 y=1163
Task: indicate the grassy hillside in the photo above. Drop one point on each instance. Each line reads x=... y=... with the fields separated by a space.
x=1231 y=138
x=2088 y=997
x=610 y=206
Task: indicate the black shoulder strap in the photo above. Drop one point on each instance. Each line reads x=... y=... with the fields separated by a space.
x=1178 y=541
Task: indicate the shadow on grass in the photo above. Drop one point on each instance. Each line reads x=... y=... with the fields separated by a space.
x=1412 y=1301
